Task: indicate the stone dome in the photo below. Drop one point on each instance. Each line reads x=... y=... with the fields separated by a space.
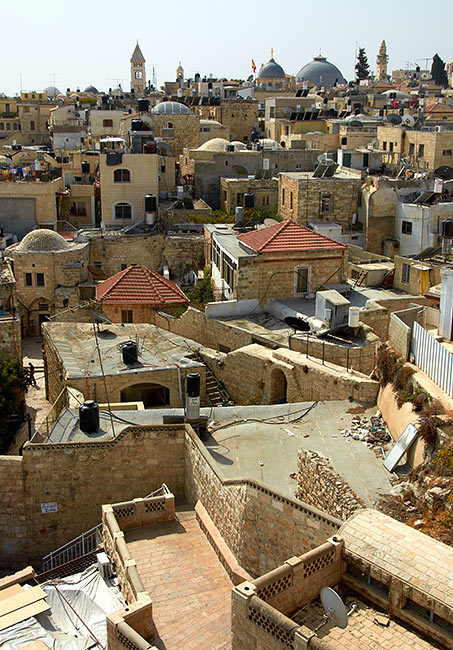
x=91 y=89
x=171 y=108
x=215 y=144
x=52 y=91
x=271 y=70
x=43 y=240
x=320 y=72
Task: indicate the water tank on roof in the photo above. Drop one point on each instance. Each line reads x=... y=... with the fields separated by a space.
x=129 y=352
x=85 y=167
x=353 y=317
x=193 y=396
x=143 y=105
x=150 y=203
x=89 y=417
x=249 y=201
x=446 y=229
x=136 y=125
x=105 y=99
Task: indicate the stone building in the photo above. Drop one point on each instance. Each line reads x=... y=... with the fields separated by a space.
x=264 y=190
x=210 y=128
x=239 y=116
x=134 y=295
x=424 y=149
x=272 y=75
x=138 y=71
x=304 y=197
x=102 y=123
x=156 y=379
x=285 y=260
x=48 y=271
x=219 y=158
x=34 y=114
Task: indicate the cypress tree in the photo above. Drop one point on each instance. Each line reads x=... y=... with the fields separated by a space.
x=362 y=68
x=438 y=71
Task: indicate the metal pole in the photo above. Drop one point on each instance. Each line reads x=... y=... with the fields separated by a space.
x=347 y=359
x=323 y=344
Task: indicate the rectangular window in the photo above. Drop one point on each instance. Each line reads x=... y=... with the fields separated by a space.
x=391 y=146
x=325 y=203
x=421 y=150
x=272 y=112
x=283 y=196
x=107 y=123
x=162 y=169
x=447 y=152
x=28 y=279
x=126 y=316
x=411 y=149
x=302 y=281
x=290 y=200
x=40 y=279
x=384 y=146
x=406 y=273
x=43 y=306
x=406 y=227
x=123 y=266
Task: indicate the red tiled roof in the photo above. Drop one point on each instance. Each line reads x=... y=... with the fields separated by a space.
x=138 y=285
x=287 y=237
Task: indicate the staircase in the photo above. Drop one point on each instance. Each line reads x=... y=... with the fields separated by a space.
x=215 y=390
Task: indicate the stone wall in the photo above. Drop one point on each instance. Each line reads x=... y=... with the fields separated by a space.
x=400 y=330
x=319 y=485
x=10 y=337
x=376 y=313
x=261 y=527
x=260 y=375
x=80 y=478
x=360 y=358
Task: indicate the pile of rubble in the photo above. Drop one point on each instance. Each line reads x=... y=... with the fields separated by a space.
x=372 y=430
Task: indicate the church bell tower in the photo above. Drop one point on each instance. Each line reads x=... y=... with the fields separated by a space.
x=138 y=71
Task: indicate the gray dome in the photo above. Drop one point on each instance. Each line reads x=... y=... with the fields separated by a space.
x=91 y=89
x=320 y=72
x=171 y=108
x=271 y=70
x=43 y=239
x=52 y=91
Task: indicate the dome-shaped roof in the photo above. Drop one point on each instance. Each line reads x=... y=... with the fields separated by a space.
x=215 y=144
x=43 y=240
x=91 y=89
x=204 y=122
x=238 y=146
x=52 y=90
x=171 y=108
x=268 y=144
x=320 y=72
x=271 y=70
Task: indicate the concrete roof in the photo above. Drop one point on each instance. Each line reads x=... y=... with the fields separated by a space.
x=158 y=349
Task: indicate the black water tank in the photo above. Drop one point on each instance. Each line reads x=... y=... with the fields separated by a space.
x=143 y=105
x=136 y=125
x=105 y=99
x=85 y=167
x=129 y=352
x=89 y=417
x=150 y=203
x=446 y=228
x=249 y=201
x=193 y=385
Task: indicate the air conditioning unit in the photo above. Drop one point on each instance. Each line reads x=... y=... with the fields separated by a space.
x=104 y=566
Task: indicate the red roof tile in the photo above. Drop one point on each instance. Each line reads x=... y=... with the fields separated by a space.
x=138 y=285
x=288 y=236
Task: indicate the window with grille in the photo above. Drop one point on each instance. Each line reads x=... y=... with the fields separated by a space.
x=406 y=227
x=302 y=280
x=121 y=176
x=123 y=211
x=406 y=273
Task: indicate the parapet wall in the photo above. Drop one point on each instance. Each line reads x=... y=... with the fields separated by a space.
x=320 y=486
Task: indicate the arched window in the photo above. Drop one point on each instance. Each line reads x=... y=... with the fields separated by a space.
x=32 y=126
x=169 y=125
x=2 y=126
x=123 y=210
x=8 y=126
x=121 y=176
x=15 y=126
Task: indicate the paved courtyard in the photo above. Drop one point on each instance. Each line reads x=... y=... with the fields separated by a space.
x=189 y=588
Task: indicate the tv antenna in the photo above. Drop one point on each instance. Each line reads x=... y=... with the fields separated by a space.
x=426 y=59
x=334 y=609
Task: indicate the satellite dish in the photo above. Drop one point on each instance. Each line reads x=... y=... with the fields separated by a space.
x=334 y=607
x=163 y=147
x=324 y=159
x=393 y=118
x=287 y=110
x=408 y=121
x=445 y=172
x=250 y=78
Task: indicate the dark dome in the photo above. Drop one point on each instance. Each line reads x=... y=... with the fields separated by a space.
x=91 y=89
x=52 y=91
x=320 y=72
x=271 y=70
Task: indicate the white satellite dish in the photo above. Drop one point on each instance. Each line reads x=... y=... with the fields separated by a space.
x=334 y=607
x=408 y=120
x=324 y=159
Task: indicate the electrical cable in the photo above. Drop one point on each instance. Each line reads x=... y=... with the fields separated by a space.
x=272 y=420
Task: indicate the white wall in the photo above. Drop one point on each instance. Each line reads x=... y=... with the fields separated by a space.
x=446 y=304
x=425 y=225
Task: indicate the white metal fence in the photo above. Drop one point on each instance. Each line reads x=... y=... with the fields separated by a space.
x=433 y=358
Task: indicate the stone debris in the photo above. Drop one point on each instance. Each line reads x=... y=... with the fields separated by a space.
x=371 y=430
x=381 y=619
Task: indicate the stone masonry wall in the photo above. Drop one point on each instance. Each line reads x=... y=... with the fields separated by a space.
x=80 y=478
x=377 y=313
x=320 y=486
x=400 y=330
x=10 y=338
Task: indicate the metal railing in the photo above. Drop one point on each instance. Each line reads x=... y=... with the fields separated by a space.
x=86 y=542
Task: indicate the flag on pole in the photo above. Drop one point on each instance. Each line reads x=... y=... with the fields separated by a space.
x=253 y=66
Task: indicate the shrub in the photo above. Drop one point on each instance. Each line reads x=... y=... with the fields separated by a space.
x=387 y=364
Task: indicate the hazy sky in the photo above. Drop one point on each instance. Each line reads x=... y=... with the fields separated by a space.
x=84 y=43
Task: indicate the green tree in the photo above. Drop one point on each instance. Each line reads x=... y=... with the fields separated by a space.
x=202 y=292
x=362 y=68
x=438 y=71
x=11 y=400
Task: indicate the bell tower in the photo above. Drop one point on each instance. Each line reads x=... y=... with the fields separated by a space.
x=382 y=61
x=138 y=71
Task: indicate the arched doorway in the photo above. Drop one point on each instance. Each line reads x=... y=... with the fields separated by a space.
x=152 y=395
x=279 y=386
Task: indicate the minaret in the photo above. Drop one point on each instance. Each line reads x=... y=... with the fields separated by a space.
x=138 y=71
x=180 y=73
x=382 y=61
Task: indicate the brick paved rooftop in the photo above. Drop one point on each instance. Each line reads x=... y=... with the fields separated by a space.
x=189 y=588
